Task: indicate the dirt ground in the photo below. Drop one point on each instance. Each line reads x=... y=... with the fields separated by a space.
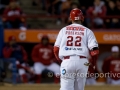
x=52 y=87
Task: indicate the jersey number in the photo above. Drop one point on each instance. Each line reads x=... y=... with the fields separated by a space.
x=76 y=43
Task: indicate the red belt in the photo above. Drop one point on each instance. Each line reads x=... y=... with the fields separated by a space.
x=68 y=57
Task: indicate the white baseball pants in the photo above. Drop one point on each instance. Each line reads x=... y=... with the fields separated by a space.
x=73 y=73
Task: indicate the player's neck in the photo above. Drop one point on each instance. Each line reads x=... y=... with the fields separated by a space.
x=76 y=22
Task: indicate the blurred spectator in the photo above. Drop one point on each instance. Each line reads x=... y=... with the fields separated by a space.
x=66 y=7
x=3 y=4
x=96 y=12
x=13 y=16
x=111 y=65
x=43 y=58
x=72 y=6
x=14 y=50
x=112 y=11
x=57 y=7
x=66 y=4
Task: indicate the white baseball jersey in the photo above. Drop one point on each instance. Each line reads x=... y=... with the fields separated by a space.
x=75 y=39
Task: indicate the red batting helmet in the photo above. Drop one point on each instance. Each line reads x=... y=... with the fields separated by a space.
x=76 y=14
x=45 y=40
x=45 y=37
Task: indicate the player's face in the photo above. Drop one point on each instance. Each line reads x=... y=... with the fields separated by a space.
x=115 y=54
x=96 y=2
x=45 y=41
x=111 y=4
x=12 y=5
x=12 y=42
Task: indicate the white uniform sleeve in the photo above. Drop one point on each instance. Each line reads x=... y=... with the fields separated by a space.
x=59 y=39
x=92 y=42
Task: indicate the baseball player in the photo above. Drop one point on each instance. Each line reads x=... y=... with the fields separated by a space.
x=72 y=48
x=14 y=50
x=43 y=58
x=111 y=65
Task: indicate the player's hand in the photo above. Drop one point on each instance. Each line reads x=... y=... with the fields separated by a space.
x=87 y=64
x=60 y=61
x=30 y=71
